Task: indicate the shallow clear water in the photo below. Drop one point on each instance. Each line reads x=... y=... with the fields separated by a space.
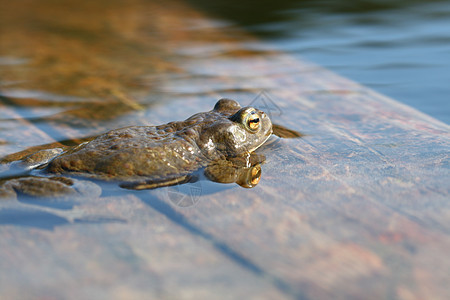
x=399 y=48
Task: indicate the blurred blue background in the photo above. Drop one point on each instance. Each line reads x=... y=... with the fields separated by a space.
x=398 y=48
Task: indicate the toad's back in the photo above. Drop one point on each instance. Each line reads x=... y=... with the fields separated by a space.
x=133 y=151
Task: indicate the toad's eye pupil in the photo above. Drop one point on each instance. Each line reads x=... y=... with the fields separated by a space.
x=253 y=122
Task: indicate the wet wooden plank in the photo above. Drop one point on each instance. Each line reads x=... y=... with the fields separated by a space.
x=363 y=206
x=356 y=209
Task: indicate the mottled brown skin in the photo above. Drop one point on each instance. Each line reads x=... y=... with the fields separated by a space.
x=161 y=153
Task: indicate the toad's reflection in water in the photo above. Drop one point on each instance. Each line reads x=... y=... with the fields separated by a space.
x=61 y=191
x=244 y=172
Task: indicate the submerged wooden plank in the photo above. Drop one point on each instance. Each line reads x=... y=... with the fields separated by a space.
x=356 y=209
x=363 y=206
x=117 y=248
x=17 y=133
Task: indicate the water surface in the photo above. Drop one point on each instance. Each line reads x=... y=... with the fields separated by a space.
x=399 y=48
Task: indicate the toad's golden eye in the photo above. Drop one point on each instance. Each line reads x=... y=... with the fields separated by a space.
x=252 y=121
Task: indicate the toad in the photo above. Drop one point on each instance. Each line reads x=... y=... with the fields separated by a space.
x=145 y=157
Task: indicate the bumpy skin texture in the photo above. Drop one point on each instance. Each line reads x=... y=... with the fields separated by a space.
x=169 y=150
